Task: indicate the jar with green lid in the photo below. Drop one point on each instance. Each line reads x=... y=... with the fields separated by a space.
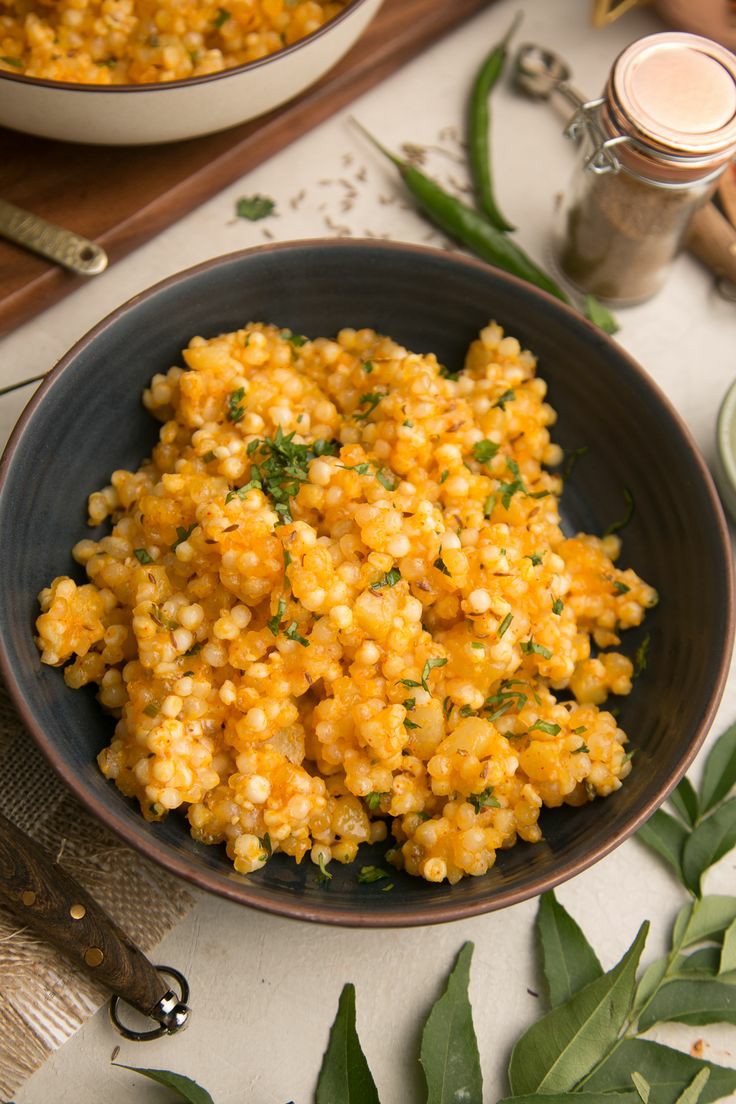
x=651 y=151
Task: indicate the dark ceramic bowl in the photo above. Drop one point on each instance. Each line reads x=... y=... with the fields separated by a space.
x=87 y=419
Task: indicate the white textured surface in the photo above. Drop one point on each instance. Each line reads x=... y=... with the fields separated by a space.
x=264 y=990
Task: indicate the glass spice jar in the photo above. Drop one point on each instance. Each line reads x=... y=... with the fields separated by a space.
x=651 y=151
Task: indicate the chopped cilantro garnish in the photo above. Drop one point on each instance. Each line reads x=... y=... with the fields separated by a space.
x=617 y=526
x=488 y=505
x=390 y=579
x=280 y=466
x=583 y=749
x=622 y=588
x=297 y=340
x=209 y=457
x=484 y=800
x=152 y=709
x=466 y=711
x=370 y=874
x=529 y=647
x=505 y=624
x=557 y=606
x=142 y=556
x=641 y=656
x=274 y=623
x=484 y=450
x=16 y=62
x=571 y=459
x=182 y=534
x=373 y=799
x=255 y=207
x=370 y=401
x=367 y=367
x=429 y=666
x=324 y=874
x=234 y=410
x=409 y=703
x=411 y=724
x=440 y=564
x=410 y=683
x=291 y=633
x=579 y=730
x=535 y=558
x=361 y=469
x=195 y=649
x=444 y=475
x=265 y=842
x=222 y=17
x=508 y=490
x=385 y=481
x=477 y=645
x=241 y=492
x=287 y=558
x=508 y=396
x=447 y=706
x=545 y=726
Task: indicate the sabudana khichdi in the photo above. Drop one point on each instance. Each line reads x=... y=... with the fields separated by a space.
x=337 y=601
x=148 y=41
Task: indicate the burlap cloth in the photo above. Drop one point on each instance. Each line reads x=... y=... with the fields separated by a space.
x=43 y=1000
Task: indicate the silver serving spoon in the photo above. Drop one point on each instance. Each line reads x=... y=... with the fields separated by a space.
x=64 y=247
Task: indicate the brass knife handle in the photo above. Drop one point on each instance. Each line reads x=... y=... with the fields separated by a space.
x=43 y=896
x=64 y=247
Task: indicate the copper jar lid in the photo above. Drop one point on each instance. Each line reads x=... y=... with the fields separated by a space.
x=673 y=96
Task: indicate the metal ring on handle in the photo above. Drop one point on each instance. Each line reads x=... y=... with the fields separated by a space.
x=173 y=1010
x=603 y=159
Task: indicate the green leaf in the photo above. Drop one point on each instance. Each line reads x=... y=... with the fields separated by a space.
x=666 y=836
x=667 y=1071
x=707 y=919
x=184 y=1087
x=255 y=207
x=710 y=841
x=692 y=1093
x=600 y=316
x=561 y=1048
x=704 y=962
x=728 y=952
x=719 y=774
x=617 y=526
x=568 y=960
x=642 y=1086
x=574 y=1098
x=685 y=800
x=681 y=924
x=449 y=1053
x=345 y=1077
x=650 y=981
x=697 y=1001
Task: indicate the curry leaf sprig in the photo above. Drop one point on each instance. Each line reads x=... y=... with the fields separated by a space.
x=704 y=829
x=590 y=1046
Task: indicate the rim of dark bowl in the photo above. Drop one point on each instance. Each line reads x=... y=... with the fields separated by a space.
x=125 y=825
x=205 y=78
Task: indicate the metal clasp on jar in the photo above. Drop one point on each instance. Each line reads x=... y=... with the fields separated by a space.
x=585 y=124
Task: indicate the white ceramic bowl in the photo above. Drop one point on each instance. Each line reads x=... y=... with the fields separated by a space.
x=142 y=114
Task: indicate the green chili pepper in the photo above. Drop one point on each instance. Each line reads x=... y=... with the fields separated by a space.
x=468 y=226
x=479 y=141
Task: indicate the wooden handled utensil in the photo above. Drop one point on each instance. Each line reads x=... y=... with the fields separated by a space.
x=44 y=897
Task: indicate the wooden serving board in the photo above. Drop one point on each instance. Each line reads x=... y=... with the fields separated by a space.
x=121 y=197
